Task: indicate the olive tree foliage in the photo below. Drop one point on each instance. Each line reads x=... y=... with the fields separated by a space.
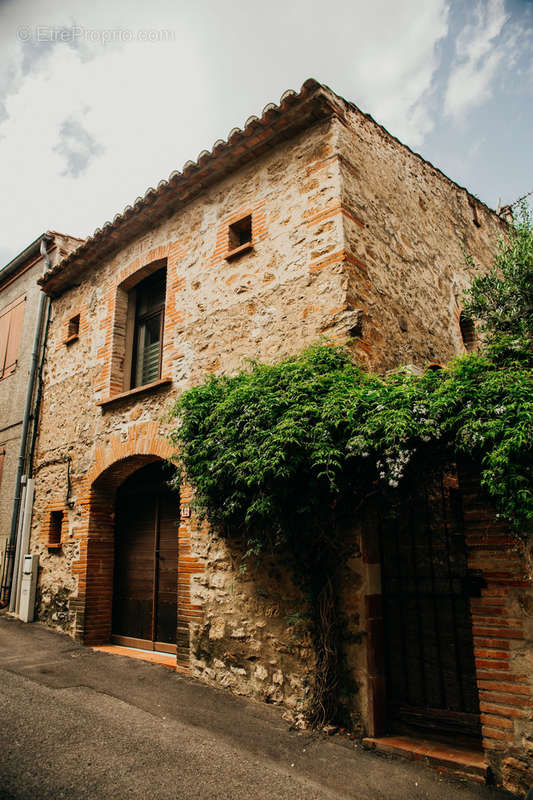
x=282 y=455
x=502 y=299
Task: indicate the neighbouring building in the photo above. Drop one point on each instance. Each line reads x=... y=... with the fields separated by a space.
x=310 y=221
x=23 y=313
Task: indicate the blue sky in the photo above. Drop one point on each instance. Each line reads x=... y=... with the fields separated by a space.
x=100 y=101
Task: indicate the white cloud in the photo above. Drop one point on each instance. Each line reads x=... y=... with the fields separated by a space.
x=89 y=126
x=478 y=57
x=395 y=70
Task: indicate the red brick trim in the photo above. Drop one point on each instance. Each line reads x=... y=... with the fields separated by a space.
x=337 y=258
x=110 y=380
x=143 y=439
x=65 y=337
x=259 y=230
x=189 y=564
x=95 y=565
x=333 y=211
x=497 y=631
x=47 y=526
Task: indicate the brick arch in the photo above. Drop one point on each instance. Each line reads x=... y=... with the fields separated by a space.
x=110 y=380
x=143 y=439
x=114 y=462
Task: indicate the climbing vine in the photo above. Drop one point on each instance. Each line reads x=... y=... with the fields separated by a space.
x=280 y=455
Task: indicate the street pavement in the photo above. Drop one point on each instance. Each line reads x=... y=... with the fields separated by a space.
x=75 y=723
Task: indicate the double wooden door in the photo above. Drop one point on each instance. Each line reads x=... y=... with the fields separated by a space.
x=146 y=561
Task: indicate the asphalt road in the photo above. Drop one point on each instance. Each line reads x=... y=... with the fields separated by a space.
x=75 y=723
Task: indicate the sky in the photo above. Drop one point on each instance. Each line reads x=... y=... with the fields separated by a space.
x=100 y=101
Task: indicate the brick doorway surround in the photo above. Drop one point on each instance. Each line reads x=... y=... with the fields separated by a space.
x=498 y=630
x=94 y=569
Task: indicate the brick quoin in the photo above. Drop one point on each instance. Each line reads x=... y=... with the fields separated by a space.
x=504 y=692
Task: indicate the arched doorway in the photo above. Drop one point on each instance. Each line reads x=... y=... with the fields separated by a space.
x=146 y=560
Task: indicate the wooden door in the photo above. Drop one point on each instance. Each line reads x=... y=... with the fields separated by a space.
x=426 y=585
x=146 y=561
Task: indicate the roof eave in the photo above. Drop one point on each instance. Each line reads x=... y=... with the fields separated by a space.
x=295 y=113
x=29 y=253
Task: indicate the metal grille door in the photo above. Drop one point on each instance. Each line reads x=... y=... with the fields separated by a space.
x=431 y=681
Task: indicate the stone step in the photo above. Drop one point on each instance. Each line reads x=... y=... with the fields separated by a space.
x=164 y=659
x=459 y=761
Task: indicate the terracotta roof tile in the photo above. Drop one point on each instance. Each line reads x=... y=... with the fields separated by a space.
x=296 y=110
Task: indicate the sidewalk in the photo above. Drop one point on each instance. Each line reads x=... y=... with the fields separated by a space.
x=75 y=723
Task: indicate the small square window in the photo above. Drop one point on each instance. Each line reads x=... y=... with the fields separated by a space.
x=54 y=529
x=73 y=329
x=240 y=233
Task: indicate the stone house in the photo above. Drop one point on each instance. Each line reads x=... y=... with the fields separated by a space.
x=23 y=312
x=310 y=221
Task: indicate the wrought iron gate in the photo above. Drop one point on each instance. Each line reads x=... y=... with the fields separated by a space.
x=426 y=585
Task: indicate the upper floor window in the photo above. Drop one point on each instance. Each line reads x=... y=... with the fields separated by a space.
x=240 y=238
x=240 y=232
x=147 y=304
x=11 y=318
x=468 y=331
x=73 y=328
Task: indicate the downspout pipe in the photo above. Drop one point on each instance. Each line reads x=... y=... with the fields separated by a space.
x=39 y=392
x=9 y=557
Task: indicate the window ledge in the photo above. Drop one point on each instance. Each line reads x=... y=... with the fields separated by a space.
x=134 y=392
x=54 y=545
x=73 y=338
x=243 y=248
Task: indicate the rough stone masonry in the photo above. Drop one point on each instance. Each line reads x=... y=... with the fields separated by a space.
x=354 y=238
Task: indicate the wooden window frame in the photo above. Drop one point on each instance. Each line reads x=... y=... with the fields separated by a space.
x=134 y=322
x=235 y=246
x=73 y=328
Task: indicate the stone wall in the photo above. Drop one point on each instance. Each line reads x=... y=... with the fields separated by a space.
x=406 y=230
x=264 y=305
x=354 y=238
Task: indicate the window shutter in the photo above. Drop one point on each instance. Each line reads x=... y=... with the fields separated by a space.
x=4 y=330
x=15 y=332
x=11 y=319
